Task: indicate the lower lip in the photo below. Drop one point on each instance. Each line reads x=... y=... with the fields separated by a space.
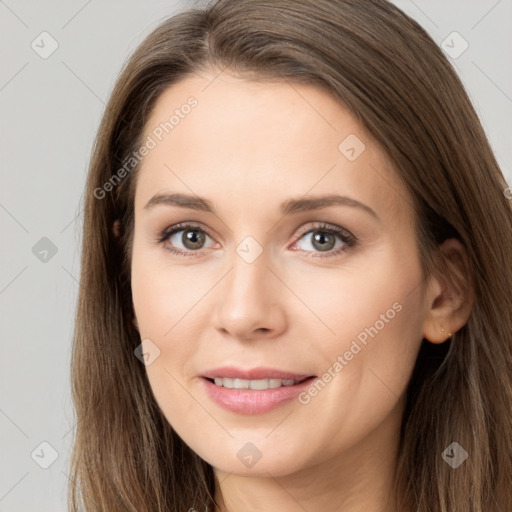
x=250 y=401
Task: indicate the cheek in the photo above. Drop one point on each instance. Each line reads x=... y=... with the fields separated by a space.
x=365 y=295
x=368 y=324
x=367 y=353
x=162 y=322
x=162 y=294
x=172 y=303
x=161 y=305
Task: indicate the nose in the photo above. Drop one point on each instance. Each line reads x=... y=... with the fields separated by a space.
x=251 y=301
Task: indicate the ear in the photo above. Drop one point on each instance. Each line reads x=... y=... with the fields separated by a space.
x=117 y=228
x=450 y=293
x=134 y=318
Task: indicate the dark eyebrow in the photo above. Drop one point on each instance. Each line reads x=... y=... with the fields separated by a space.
x=183 y=200
x=288 y=207
x=318 y=202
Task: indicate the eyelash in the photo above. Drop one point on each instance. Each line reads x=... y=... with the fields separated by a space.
x=349 y=240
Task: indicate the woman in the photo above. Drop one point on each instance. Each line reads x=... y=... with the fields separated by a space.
x=296 y=276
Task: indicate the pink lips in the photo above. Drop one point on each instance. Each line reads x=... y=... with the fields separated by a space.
x=249 y=401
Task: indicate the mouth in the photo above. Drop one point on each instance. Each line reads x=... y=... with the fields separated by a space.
x=253 y=392
x=254 y=384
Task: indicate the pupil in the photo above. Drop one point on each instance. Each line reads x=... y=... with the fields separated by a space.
x=320 y=237
x=194 y=237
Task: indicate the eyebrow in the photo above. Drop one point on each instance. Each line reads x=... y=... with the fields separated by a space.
x=288 y=207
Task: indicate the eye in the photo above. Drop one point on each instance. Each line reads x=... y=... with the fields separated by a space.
x=323 y=238
x=192 y=238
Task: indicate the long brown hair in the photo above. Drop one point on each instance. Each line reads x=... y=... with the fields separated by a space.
x=394 y=78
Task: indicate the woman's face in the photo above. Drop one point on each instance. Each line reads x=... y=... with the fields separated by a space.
x=269 y=278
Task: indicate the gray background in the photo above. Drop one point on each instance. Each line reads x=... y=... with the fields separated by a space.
x=50 y=109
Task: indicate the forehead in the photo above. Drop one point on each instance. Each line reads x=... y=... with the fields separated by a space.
x=221 y=136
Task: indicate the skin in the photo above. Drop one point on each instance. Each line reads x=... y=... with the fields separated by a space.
x=247 y=147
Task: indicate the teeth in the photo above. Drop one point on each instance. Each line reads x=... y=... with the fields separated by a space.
x=253 y=384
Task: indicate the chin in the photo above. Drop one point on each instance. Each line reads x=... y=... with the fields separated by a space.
x=254 y=458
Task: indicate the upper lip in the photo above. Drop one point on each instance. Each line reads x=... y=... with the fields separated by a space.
x=259 y=373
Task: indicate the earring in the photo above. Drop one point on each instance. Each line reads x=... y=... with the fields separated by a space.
x=444 y=332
